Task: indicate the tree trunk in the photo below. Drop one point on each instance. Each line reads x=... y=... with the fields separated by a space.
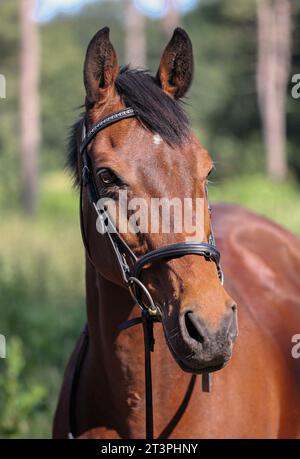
x=135 y=36
x=273 y=69
x=171 y=20
x=29 y=104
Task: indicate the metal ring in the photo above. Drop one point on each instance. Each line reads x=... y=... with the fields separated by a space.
x=152 y=309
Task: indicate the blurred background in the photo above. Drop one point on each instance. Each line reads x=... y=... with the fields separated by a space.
x=245 y=108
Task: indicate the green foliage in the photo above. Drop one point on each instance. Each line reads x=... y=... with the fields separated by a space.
x=64 y=43
x=42 y=296
x=259 y=194
x=222 y=101
x=17 y=401
x=41 y=273
x=9 y=67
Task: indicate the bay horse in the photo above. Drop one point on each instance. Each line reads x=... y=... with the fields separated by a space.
x=155 y=154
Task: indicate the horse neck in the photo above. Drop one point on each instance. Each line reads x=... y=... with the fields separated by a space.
x=117 y=356
x=117 y=364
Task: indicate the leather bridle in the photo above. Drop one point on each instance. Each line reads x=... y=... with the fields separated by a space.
x=130 y=266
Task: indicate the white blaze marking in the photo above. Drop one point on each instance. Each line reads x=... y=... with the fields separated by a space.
x=157 y=139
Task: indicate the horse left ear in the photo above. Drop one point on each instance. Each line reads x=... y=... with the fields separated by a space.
x=100 y=67
x=176 y=67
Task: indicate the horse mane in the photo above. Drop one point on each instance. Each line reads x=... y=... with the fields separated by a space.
x=157 y=112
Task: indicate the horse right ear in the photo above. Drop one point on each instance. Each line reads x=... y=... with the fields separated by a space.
x=176 y=67
x=100 y=67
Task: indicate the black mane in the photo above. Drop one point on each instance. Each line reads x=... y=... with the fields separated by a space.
x=157 y=112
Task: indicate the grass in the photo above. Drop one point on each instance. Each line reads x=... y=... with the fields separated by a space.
x=279 y=202
x=42 y=292
x=42 y=284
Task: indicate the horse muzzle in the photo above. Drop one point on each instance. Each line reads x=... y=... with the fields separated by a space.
x=196 y=347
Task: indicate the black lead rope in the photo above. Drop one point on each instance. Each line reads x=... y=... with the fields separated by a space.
x=148 y=322
x=149 y=347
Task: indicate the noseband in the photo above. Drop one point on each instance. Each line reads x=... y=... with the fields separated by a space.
x=130 y=266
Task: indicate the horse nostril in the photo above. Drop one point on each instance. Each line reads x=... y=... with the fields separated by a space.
x=193 y=327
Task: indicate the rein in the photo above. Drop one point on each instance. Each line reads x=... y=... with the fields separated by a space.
x=131 y=269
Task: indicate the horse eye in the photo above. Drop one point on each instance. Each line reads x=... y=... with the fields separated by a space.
x=106 y=176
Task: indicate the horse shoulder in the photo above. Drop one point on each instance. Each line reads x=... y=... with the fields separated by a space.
x=261 y=261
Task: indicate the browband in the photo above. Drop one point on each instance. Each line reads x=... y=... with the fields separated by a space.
x=105 y=122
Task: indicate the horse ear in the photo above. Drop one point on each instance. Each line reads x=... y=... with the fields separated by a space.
x=176 y=66
x=100 y=67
